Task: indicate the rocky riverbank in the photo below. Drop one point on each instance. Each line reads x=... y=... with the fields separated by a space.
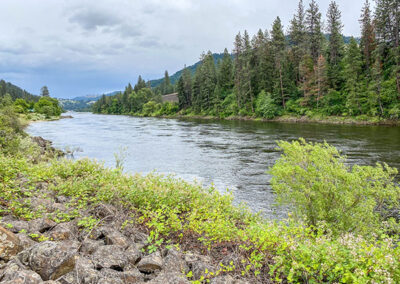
x=111 y=251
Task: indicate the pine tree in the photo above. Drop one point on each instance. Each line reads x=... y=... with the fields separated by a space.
x=225 y=74
x=313 y=29
x=139 y=85
x=335 y=48
x=278 y=45
x=297 y=33
x=367 y=42
x=44 y=92
x=238 y=50
x=353 y=67
x=184 y=89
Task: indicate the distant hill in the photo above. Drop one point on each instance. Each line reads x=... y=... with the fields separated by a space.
x=82 y=103
x=175 y=77
x=16 y=92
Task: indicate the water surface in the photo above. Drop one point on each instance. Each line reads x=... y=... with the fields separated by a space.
x=229 y=154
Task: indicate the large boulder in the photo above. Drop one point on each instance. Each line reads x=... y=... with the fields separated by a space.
x=127 y=277
x=15 y=273
x=9 y=244
x=175 y=261
x=150 y=263
x=169 y=277
x=50 y=260
x=110 y=257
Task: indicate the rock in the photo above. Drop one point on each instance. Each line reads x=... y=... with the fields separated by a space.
x=85 y=271
x=89 y=246
x=114 y=237
x=9 y=244
x=50 y=260
x=169 y=277
x=69 y=278
x=15 y=226
x=199 y=264
x=227 y=279
x=60 y=207
x=102 y=211
x=133 y=254
x=63 y=231
x=41 y=225
x=25 y=241
x=15 y=274
x=131 y=276
x=110 y=257
x=150 y=263
x=62 y=199
x=174 y=261
x=200 y=268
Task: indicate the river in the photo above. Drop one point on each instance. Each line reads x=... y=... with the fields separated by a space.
x=232 y=155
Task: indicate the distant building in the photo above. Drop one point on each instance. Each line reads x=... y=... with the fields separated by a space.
x=173 y=98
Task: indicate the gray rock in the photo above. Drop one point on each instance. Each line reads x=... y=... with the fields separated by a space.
x=15 y=274
x=150 y=263
x=62 y=232
x=25 y=241
x=62 y=199
x=227 y=279
x=50 y=260
x=89 y=246
x=175 y=261
x=110 y=257
x=85 y=272
x=114 y=237
x=15 y=226
x=9 y=244
x=169 y=277
x=133 y=254
x=41 y=225
x=131 y=276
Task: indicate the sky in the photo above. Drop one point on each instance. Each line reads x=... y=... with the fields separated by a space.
x=81 y=47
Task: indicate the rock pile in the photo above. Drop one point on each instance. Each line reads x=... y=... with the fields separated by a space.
x=43 y=251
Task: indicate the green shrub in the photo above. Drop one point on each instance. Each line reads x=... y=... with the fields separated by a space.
x=321 y=188
x=266 y=106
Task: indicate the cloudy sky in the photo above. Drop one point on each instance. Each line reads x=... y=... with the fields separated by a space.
x=79 y=47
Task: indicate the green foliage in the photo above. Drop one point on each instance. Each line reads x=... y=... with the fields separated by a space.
x=48 y=106
x=266 y=106
x=321 y=189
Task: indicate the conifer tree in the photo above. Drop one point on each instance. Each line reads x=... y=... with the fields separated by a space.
x=278 y=45
x=367 y=42
x=313 y=29
x=335 y=48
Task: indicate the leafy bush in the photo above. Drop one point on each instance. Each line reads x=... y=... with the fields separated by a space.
x=322 y=189
x=266 y=106
x=48 y=106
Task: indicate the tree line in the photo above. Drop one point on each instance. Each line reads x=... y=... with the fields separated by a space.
x=309 y=70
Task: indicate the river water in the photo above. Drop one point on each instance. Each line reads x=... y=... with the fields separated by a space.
x=232 y=155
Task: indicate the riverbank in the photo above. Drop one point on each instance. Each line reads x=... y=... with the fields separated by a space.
x=95 y=224
x=299 y=119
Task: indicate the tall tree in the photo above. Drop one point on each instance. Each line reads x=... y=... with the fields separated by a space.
x=278 y=45
x=44 y=92
x=387 y=19
x=184 y=89
x=141 y=84
x=313 y=29
x=297 y=33
x=367 y=42
x=335 y=48
x=238 y=51
x=225 y=74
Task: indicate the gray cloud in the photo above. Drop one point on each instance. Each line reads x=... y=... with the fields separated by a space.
x=90 y=19
x=119 y=39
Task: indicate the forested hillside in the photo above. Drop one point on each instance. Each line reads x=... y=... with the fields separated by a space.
x=15 y=92
x=301 y=73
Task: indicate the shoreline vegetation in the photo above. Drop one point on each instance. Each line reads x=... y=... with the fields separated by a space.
x=310 y=74
x=101 y=223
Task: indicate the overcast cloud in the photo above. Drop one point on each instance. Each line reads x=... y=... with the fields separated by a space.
x=79 y=47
